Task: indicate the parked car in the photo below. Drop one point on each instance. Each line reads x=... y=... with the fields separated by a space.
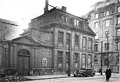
x=84 y=72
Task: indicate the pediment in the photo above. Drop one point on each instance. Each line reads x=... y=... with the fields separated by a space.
x=25 y=40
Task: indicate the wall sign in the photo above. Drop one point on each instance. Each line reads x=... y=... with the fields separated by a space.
x=44 y=62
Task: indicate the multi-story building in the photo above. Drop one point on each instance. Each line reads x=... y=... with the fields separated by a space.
x=8 y=31
x=103 y=20
x=54 y=42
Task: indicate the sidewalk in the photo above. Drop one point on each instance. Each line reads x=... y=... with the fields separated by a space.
x=97 y=75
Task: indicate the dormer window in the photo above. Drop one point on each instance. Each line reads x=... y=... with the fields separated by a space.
x=65 y=19
x=118 y=20
x=76 y=22
x=118 y=9
x=96 y=15
x=107 y=12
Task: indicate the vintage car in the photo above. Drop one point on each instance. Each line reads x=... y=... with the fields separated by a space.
x=83 y=72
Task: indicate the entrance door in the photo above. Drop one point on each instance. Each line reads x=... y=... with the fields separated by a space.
x=23 y=62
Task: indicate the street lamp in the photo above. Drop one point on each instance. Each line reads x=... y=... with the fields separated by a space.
x=107 y=36
x=101 y=55
x=69 y=60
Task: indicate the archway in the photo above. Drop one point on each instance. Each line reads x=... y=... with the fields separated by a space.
x=23 y=62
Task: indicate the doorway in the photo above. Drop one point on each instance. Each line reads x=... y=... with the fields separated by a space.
x=23 y=62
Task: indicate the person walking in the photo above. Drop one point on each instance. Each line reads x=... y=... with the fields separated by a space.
x=108 y=73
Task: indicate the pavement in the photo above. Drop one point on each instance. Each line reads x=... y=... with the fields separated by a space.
x=43 y=77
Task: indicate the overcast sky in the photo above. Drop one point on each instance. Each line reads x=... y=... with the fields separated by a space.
x=24 y=10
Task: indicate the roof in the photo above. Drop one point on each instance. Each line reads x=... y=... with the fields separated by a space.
x=87 y=29
x=55 y=9
x=8 y=22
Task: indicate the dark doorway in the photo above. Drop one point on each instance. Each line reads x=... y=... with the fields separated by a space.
x=23 y=62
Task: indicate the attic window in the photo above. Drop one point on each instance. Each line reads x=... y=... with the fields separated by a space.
x=65 y=19
x=107 y=12
x=96 y=15
x=118 y=9
x=76 y=22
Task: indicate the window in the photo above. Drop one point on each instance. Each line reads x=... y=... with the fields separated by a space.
x=118 y=20
x=96 y=25
x=104 y=14
x=96 y=15
x=76 y=22
x=106 y=46
x=67 y=57
x=107 y=13
x=65 y=19
x=117 y=58
x=90 y=43
x=96 y=47
x=118 y=8
x=60 y=59
x=76 y=40
x=96 y=37
x=83 y=60
x=60 y=37
x=95 y=59
x=84 y=42
x=107 y=23
x=118 y=32
x=76 y=60
x=89 y=61
x=67 y=38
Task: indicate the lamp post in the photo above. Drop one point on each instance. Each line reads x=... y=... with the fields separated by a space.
x=107 y=59
x=101 y=55
x=69 y=59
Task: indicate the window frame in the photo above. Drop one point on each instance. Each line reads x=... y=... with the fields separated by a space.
x=107 y=12
x=118 y=20
x=83 y=60
x=68 y=38
x=106 y=46
x=96 y=15
x=84 y=42
x=107 y=22
x=76 y=22
x=60 y=59
x=76 y=60
x=118 y=9
x=90 y=43
x=76 y=40
x=60 y=37
x=96 y=25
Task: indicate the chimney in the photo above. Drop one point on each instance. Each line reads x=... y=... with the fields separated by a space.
x=46 y=6
x=64 y=8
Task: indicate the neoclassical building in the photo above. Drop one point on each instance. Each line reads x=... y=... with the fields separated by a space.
x=104 y=20
x=54 y=42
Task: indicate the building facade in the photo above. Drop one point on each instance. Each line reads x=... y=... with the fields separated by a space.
x=103 y=20
x=8 y=30
x=72 y=40
x=54 y=42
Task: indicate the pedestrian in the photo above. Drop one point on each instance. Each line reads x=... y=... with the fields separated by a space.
x=108 y=73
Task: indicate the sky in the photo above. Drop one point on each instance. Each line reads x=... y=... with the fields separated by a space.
x=22 y=11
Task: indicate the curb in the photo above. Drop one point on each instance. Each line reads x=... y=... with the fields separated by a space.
x=97 y=76
x=46 y=78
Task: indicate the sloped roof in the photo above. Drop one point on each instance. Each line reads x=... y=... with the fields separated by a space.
x=29 y=41
x=86 y=29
